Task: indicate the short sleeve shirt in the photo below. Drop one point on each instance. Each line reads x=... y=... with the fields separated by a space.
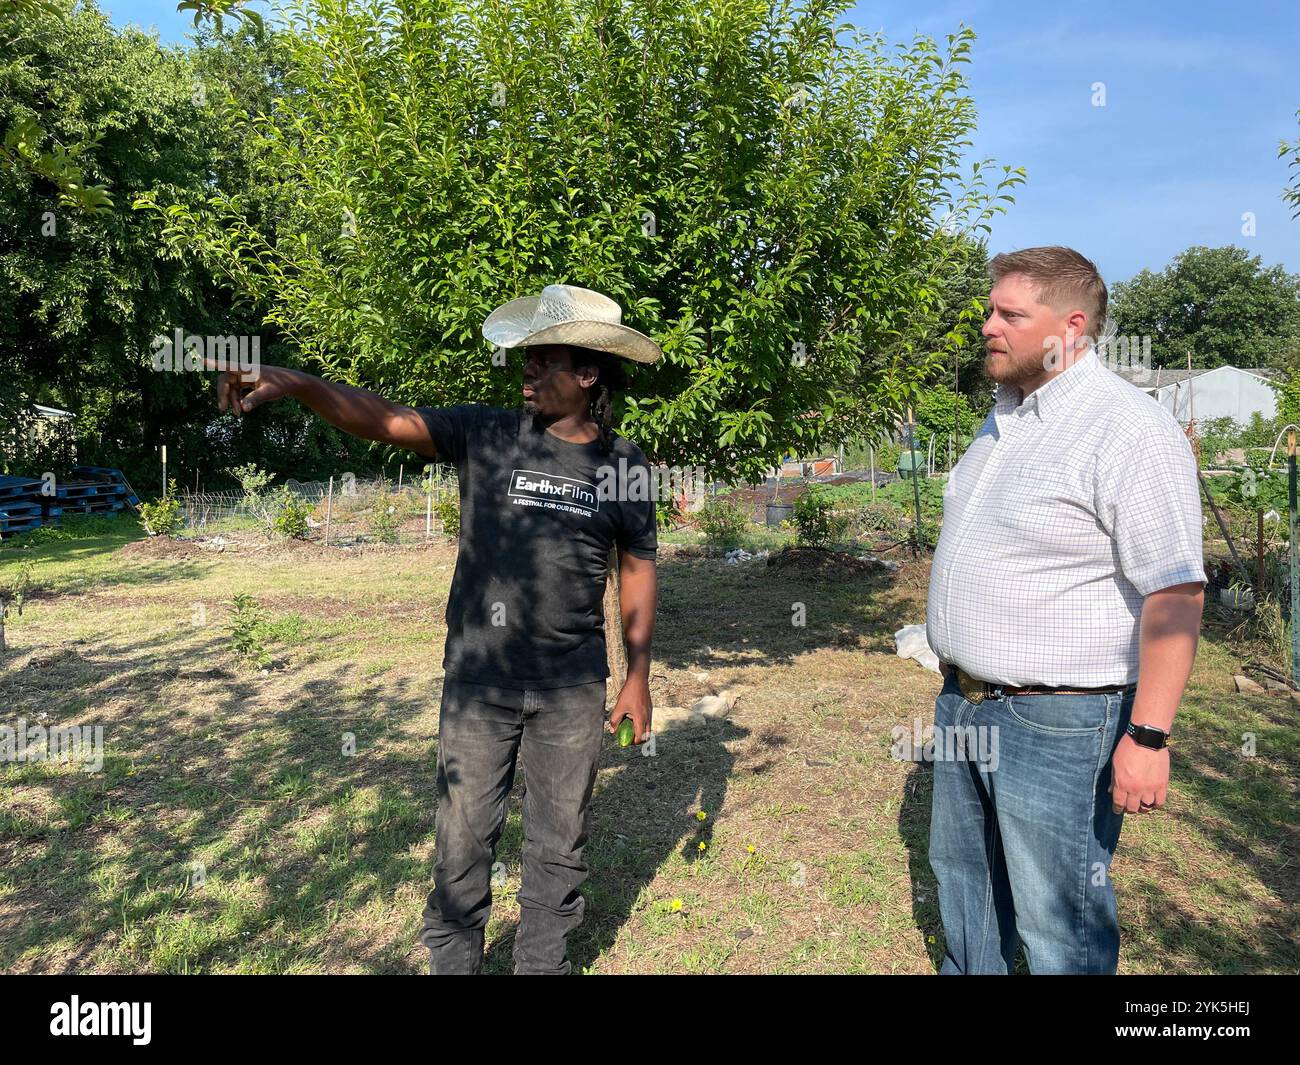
x=538 y=518
x=1070 y=506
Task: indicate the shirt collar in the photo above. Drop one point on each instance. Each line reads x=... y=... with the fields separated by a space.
x=1053 y=393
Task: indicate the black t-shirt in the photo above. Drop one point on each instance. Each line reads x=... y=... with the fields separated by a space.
x=538 y=516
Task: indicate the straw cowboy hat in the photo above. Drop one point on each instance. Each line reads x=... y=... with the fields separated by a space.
x=566 y=314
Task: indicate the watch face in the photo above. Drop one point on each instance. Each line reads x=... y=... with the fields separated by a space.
x=1148 y=736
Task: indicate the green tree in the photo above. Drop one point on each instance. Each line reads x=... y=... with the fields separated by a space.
x=944 y=415
x=761 y=189
x=1220 y=304
x=963 y=295
x=86 y=283
x=82 y=283
x=1291 y=153
x=1288 y=384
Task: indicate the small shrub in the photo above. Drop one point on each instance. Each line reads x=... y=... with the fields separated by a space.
x=903 y=493
x=722 y=521
x=288 y=515
x=16 y=586
x=928 y=534
x=164 y=517
x=670 y=514
x=447 y=511
x=816 y=520
x=1262 y=630
x=248 y=631
x=878 y=517
x=252 y=479
x=384 y=518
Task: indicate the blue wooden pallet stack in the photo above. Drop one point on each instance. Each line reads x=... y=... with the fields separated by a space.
x=20 y=504
x=91 y=490
x=115 y=476
x=90 y=497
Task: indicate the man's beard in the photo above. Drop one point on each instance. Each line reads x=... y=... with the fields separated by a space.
x=1014 y=371
x=537 y=421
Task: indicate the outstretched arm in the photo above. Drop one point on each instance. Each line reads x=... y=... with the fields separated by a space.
x=354 y=410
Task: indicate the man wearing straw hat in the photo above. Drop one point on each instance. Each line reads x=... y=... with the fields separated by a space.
x=544 y=497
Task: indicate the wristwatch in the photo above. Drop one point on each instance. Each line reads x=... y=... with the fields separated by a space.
x=1148 y=736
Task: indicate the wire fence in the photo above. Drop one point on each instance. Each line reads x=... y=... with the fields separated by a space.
x=343 y=509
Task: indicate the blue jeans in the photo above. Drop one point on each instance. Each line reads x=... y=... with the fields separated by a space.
x=1022 y=844
x=482 y=731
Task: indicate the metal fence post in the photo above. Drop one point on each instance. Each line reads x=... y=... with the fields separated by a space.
x=329 y=509
x=1295 y=576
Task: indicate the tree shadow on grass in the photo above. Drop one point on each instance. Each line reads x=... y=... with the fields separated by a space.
x=641 y=814
x=227 y=781
x=710 y=613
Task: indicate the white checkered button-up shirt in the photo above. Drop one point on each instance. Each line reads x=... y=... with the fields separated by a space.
x=1065 y=511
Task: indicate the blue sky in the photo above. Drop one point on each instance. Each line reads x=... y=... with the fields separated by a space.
x=1198 y=94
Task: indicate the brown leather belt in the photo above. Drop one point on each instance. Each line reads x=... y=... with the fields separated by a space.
x=974 y=690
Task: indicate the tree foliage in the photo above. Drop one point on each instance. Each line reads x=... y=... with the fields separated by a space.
x=86 y=283
x=1291 y=153
x=774 y=198
x=1220 y=304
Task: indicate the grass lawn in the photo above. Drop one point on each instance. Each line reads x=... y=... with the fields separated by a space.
x=282 y=821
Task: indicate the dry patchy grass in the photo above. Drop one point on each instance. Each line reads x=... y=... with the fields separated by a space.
x=229 y=832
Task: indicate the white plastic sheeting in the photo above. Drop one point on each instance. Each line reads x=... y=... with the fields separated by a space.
x=912 y=643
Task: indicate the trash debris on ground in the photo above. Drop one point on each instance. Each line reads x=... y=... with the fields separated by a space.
x=1237 y=598
x=912 y=643
x=705 y=708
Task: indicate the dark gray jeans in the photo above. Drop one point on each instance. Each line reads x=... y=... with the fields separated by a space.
x=481 y=732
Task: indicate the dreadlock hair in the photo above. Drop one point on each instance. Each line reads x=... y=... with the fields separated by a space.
x=610 y=379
